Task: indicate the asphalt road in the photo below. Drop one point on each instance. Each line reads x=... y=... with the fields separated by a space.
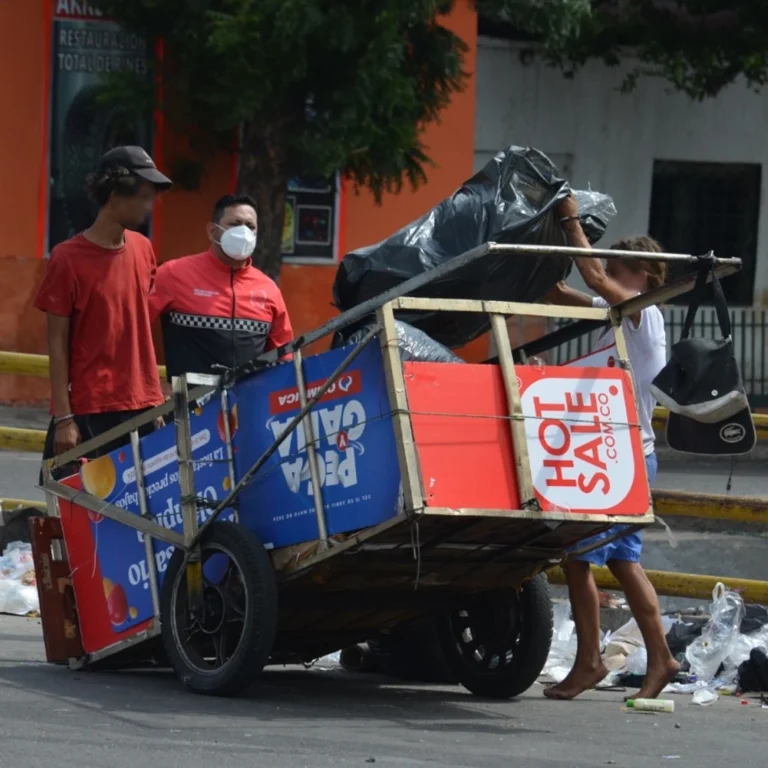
x=312 y=718
x=51 y=716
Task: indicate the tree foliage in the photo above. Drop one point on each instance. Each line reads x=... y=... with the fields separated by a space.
x=311 y=87
x=698 y=46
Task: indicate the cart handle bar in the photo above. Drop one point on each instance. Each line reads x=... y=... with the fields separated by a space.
x=376 y=302
x=370 y=305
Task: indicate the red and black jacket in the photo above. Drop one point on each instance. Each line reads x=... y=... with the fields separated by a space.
x=216 y=316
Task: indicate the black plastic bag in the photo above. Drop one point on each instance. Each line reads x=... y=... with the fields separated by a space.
x=512 y=200
x=412 y=344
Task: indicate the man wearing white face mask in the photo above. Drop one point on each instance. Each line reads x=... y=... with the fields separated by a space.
x=216 y=308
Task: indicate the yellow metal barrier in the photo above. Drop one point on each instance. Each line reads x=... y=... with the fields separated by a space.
x=679 y=584
x=11 y=504
x=23 y=364
x=734 y=509
x=27 y=440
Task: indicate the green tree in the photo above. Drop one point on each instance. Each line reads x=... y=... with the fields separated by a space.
x=311 y=87
x=698 y=46
x=302 y=87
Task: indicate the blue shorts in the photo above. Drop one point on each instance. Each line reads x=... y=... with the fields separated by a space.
x=627 y=548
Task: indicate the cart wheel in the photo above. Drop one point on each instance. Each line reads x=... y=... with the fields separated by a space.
x=222 y=652
x=498 y=643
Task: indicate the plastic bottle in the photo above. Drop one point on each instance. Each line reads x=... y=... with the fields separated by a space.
x=651 y=705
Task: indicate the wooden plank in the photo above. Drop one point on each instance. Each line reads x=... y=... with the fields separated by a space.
x=410 y=474
x=500 y=307
x=554 y=517
x=515 y=411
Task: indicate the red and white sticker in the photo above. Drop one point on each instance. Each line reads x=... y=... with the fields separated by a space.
x=285 y=400
x=583 y=453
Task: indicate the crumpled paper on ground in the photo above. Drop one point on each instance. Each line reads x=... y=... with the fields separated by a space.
x=18 y=585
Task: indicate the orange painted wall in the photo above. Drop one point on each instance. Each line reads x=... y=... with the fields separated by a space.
x=23 y=87
x=179 y=224
x=450 y=143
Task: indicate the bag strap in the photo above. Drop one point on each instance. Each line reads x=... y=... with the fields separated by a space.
x=721 y=307
x=707 y=268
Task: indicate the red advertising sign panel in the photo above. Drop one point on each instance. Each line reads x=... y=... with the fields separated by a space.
x=581 y=428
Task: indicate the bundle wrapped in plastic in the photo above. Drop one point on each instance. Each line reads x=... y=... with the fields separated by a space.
x=413 y=344
x=511 y=200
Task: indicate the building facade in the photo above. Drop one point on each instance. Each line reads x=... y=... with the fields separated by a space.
x=692 y=174
x=53 y=131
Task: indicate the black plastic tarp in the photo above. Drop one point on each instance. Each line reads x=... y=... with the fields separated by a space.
x=511 y=200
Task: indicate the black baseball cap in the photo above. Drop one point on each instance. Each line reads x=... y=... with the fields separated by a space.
x=137 y=161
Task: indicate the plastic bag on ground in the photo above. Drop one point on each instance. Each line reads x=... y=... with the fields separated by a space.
x=718 y=638
x=562 y=652
x=637 y=661
x=704 y=697
x=511 y=200
x=18 y=586
x=743 y=645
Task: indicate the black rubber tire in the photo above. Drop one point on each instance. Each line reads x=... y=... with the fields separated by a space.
x=259 y=626
x=412 y=652
x=531 y=616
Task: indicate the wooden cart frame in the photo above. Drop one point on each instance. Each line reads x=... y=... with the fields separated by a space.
x=338 y=590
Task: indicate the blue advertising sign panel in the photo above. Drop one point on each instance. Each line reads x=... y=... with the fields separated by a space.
x=120 y=550
x=356 y=454
x=355 y=445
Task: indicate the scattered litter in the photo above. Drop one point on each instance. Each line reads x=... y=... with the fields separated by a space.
x=562 y=652
x=744 y=703
x=18 y=585
x=331 y=661
x=719 y=653
x=718 y=638
x=704 y=697
x=651 y=705
x=637 y=661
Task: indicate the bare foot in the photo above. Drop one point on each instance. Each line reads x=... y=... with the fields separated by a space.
x=579 y=679
x=656 y=679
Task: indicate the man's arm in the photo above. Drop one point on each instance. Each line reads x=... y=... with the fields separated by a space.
x=161 y=294
x=281 y=331
x=57 y=297
x=591 y=269
x=566 y=296
x=67 y=434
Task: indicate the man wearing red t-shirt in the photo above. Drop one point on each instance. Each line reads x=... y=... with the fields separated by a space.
x=95 y=291
x=219 y=311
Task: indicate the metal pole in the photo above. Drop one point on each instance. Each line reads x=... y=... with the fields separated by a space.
x=138 y=466
x=246 y=478
x=309 y=439
x=228 y=439
x=187 y=491
x=121 y=430
x=604 y=253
